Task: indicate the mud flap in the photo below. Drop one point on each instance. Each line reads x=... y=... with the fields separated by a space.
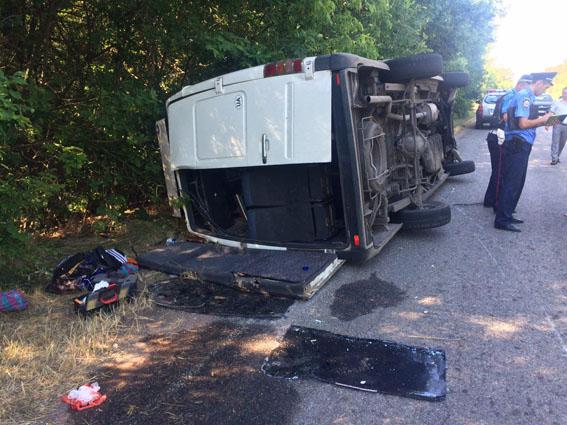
x=362 y=364
x=294 y=274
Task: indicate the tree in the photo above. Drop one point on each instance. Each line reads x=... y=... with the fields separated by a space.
x=496 y=77
x=88 y=80
x=460 y=31
x=560 y=80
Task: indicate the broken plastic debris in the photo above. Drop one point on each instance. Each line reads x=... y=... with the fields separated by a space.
x=100 y=285
x=84 y=397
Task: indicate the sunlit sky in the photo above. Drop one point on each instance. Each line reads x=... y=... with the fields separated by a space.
x=536 y=27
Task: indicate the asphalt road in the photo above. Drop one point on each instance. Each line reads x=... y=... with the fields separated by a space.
x=495 y=301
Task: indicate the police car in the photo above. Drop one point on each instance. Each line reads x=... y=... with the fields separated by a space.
x=485 y=110
x=543 y=103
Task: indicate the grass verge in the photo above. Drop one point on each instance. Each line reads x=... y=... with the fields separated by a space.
x=47 y=350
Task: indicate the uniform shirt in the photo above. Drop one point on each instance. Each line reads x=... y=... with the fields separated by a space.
x=506 y=99
x=559 y=107
x=523 y=102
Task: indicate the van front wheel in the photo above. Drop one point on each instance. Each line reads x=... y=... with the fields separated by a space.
x=430 y=215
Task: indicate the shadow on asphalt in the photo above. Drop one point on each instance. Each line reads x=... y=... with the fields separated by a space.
x=464 y=179
x=209 y=375
x=421 y=234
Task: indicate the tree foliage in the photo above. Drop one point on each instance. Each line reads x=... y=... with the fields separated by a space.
x=460 y=31
x=560 y=80
x=496 y=77
x=82 y=82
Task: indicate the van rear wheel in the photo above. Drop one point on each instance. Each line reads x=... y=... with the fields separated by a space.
x=425 y=65
x=430 y=215
x=455 y=79
x=459 y=167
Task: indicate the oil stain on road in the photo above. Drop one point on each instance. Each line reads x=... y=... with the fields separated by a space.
x=362 y=297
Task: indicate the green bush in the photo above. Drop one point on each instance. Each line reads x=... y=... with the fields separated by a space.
x=82 y=84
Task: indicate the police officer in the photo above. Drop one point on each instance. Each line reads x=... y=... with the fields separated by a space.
x=522 y=121
x=495 y=139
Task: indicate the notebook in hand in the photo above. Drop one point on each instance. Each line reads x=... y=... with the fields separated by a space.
x=555 y=119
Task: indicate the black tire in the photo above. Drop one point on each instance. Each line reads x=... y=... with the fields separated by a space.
x=455 y=79
x=433 y=214
x=460 y=167
x=425 y=65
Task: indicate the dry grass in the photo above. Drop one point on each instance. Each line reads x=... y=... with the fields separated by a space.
x=47 y=350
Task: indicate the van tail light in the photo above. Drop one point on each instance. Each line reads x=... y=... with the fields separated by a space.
x=356 y=240
x=289 y=66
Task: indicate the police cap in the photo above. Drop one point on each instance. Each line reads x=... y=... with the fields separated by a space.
x=544 y=76
x=526 y=78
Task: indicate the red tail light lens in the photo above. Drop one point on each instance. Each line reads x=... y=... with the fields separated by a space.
x=289 y=66
x=356 y=240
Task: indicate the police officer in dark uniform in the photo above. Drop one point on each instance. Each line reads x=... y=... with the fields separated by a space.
x=495 y=139
x=522 y=121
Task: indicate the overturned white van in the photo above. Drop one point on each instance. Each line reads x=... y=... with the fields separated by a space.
x=331 y=153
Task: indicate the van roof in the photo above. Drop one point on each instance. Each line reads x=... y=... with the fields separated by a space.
x=338 y=61
x=332 y=62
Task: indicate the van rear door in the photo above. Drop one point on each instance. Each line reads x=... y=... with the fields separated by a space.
x=283 y=273
x=284 y=119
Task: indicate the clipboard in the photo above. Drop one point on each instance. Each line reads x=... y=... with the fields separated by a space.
x=555 y=119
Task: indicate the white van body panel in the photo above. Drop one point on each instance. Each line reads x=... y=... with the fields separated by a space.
x=248 y=74
x=265 y=121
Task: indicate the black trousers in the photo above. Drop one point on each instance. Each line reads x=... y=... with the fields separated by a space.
x=514 y=170
x=495 y=182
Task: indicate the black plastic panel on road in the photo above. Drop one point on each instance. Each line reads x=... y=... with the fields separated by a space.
x=363 y=364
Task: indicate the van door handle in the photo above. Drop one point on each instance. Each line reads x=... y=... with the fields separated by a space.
x=265 y=148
